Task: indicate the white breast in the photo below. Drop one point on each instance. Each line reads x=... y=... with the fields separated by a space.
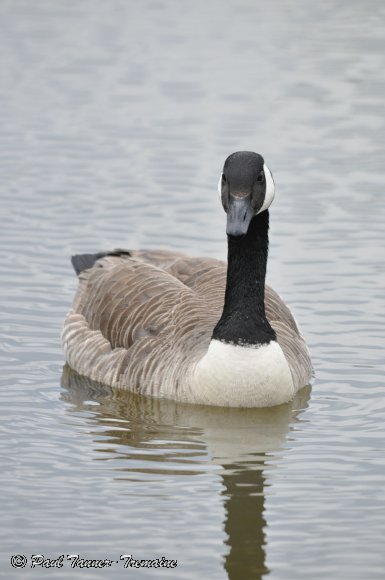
x=243 y=376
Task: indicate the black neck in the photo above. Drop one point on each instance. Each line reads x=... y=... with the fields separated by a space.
x=243 y=319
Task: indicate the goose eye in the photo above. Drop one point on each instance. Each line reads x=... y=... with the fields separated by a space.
x=261 y=177
x=223 y=179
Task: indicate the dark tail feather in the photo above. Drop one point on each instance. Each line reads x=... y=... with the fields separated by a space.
x=83 y=262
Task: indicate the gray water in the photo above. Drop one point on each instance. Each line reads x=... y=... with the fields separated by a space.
x=115 y=121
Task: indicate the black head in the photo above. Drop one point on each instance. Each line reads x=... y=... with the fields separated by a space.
x=246 y=188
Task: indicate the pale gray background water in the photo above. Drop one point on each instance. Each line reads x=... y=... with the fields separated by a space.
x=115 y=120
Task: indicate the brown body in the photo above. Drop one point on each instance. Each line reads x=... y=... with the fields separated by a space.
x=143 y=322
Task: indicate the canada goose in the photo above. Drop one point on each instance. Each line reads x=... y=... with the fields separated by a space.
x=191 y=329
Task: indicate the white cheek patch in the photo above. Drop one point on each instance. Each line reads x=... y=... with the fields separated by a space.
x=270 y=188
x=220 y=186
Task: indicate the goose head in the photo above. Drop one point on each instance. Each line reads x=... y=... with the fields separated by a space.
x=246 y=188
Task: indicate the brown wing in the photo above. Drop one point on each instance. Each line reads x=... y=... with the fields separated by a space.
x=289 y=338
x=133 y=319
x=205 y=276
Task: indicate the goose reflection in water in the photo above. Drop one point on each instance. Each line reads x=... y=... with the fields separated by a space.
x=240 y=441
